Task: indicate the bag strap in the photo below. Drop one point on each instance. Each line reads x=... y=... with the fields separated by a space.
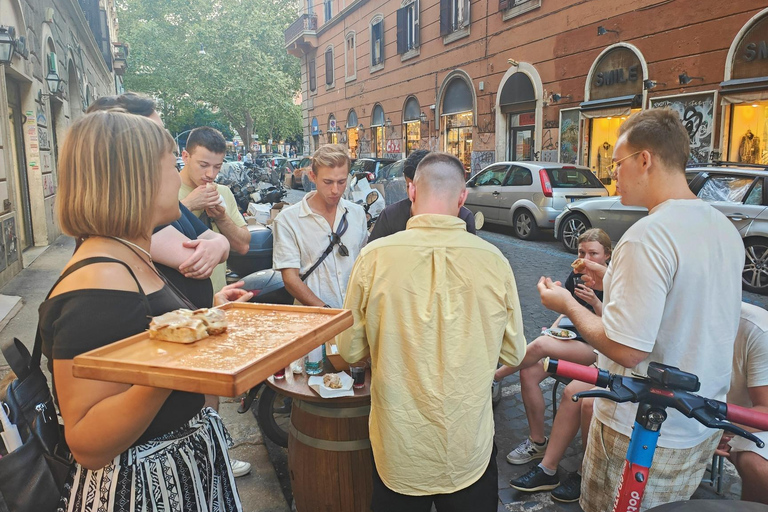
x=37 y=352
x=334 y=241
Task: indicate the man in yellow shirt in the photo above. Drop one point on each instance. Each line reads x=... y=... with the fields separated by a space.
x=213 y=203
x=436 y=308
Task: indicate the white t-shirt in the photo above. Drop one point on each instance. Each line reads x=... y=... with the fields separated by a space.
x=673 y=289
x=301 y=237
x=750 y=355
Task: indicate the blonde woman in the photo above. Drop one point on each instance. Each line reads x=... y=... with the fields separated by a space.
x=135 y=447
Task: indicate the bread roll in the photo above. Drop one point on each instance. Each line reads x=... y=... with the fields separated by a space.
x=332 y=380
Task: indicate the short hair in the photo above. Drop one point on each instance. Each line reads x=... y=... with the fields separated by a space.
x=131 y=102
x=659 y=131
x=330 y=155
x=412 y=162
x=207 y=137
x=109 y=174
x=596 y=235
x=440 y=173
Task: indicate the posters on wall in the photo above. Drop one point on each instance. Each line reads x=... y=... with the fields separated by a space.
x=10 y=240
x=697 y=112
x=569 y=136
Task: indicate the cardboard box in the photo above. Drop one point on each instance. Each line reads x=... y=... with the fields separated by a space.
x=276 y=208
x=260 y=212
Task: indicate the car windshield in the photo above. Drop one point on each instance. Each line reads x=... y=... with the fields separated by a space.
x=571 y=177
x=362 y=166
x=725 y=188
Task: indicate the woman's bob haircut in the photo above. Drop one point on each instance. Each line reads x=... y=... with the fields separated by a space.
x=109 y=174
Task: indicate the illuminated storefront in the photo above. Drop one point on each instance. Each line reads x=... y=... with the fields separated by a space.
x=745 y=94
x=614 y=92
x=333 y=134
x=353 y=140
x=411 y=125
x=377 y=131
x=457 y=120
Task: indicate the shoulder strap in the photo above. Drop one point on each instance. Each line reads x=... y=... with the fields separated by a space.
x=38 y=350
x=334 y=241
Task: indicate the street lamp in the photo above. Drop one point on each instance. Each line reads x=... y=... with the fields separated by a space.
x=7 y=44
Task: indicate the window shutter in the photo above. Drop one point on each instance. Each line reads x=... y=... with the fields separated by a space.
x=416 y=24
x=445 y=17
x=312 y=78
x=465 y=21
x=329 y=67
x=402 y=30
x=503 y=5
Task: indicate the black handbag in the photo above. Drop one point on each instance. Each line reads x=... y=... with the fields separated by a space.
x=33 y=476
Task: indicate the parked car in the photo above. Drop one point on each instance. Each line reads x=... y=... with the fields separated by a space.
x=373 y=166
x=529 y=195
x=737 y=190
x=390 y=183
x=269 y=160
x=300 y=170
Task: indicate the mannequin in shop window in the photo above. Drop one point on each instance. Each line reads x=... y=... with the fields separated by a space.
x=749 y=149
x=604 y=156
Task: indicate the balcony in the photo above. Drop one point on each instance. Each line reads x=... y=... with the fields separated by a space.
x=120 y=57
x=301 y=36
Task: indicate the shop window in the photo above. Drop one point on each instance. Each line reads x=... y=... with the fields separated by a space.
x=749 y=128
x=454 y=19
x=329 y=67
x=512 y=8
x=377 y=43
x=457 y=129
x=312 y=75
x=327 y=10
x=408 y=30
x=350 y=58
x=412 y=136
x=603 y=136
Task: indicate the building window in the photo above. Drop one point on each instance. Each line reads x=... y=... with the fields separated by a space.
x=350 y=58
x=512 y=8
x=454 y=19
x=408 y=28
x=312 y=75
x=327 y=9
x=377 y=43
x=329 y=67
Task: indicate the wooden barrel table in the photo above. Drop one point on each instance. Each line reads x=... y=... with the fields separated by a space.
x=329 y=453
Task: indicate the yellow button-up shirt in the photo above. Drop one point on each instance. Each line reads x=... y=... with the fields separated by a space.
x=436 y=307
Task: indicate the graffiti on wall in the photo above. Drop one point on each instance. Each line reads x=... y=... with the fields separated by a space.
x=549 y=145
x=697 y=114
x=10 y=240
x=481 y=159
x=569 y=136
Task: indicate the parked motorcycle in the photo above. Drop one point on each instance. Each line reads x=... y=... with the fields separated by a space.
x=251 y=184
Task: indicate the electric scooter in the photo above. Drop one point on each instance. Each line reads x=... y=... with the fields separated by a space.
x=665 y=386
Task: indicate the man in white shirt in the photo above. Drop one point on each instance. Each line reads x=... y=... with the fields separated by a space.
x=672 y=294
x=304 y=231
x=749 y=388
x=213 y=203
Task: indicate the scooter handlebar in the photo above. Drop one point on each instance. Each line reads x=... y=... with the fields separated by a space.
x=748 y=417
x=588 y=374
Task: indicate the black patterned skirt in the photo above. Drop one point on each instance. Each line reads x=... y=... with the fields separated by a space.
x=186 y=470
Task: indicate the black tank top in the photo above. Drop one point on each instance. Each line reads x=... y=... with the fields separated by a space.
x=75 y=322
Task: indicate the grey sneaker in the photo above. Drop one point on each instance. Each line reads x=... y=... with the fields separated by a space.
x=495 y=393
x=535 y=480
x=527 y=451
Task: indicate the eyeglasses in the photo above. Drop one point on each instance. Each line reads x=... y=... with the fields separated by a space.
x=336 y=237
x=615 y=165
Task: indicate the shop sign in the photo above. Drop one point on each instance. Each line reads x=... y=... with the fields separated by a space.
x=697 y=113
x=617 y=73
x=751 y=57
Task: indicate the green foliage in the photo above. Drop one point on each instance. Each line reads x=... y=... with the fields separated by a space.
x=245 y=78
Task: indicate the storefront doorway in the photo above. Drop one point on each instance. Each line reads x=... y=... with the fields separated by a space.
x=377 y=131
x=352 y=134
x=518 y=102
x=457 y=121
x=19 y=164
x=411 y=125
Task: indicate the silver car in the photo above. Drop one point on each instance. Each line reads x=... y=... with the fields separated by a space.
x=736 y=190
x=529 y=195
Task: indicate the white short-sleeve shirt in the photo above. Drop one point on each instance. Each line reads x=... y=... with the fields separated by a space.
x=301 y=237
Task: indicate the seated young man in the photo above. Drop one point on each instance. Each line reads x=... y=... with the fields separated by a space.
x=594 y=245
x=749 y=388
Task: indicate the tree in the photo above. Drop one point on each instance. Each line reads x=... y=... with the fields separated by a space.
x=227 y=55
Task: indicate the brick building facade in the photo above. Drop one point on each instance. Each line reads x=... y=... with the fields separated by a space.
x=552 y=80
x=63 y=57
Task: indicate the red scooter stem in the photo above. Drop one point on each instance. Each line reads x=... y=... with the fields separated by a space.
x=748 y=417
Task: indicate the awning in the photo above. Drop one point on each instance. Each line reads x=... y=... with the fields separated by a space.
x=618 y=106
x=744 y=85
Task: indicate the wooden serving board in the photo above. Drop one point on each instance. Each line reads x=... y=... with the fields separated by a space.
x=260 y=340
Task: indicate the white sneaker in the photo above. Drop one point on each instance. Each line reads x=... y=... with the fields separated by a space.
x=527 y=451
x=240 y=467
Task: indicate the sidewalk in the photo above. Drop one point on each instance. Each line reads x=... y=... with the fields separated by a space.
x=259 y=490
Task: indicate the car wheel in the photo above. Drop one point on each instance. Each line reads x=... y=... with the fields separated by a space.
x=573 y=226
x=755 y=273
x=524 y=225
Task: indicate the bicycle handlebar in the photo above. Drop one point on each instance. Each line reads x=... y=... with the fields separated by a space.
x=707 y=411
